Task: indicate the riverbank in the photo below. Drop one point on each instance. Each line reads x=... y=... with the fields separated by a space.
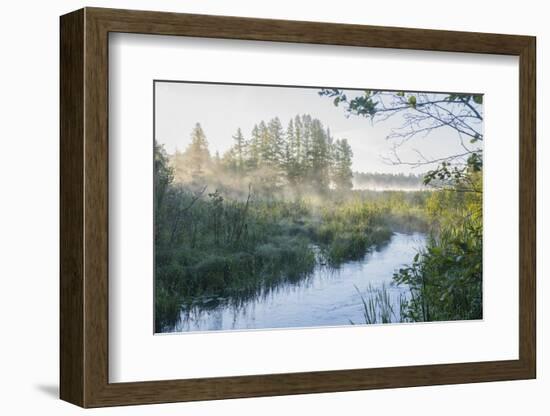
x=327 y=297
x=237 y=250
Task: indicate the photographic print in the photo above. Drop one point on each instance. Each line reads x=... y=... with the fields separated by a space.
x=297 y=207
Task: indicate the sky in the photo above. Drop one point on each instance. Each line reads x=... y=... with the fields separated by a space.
x=222 y=108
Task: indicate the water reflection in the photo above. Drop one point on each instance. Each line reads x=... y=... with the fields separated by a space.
x=328 y=297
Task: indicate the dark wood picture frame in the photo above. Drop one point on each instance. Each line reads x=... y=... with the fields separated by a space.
x=84 y=207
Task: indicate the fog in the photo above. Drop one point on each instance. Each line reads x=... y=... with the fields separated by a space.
x=222 y=109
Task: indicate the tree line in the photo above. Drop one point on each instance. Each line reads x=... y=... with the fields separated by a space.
x=397 y=181
x=304 y=156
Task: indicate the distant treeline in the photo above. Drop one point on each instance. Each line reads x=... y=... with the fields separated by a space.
x=388 y=181
x=303 y=156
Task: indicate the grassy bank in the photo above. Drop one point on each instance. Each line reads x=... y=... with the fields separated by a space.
x=212 y=247
x=444 y=280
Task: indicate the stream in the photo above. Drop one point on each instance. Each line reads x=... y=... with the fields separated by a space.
x=328 y=297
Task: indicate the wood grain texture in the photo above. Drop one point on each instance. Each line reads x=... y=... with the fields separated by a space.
x=162 y=23
x=84 y=207
x=96 y=208
x=71 y=208
x=527 y=208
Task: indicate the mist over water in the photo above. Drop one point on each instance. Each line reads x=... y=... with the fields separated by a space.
x=328 y=297
x=386 y=188
x=374 y=181
x=284 y=219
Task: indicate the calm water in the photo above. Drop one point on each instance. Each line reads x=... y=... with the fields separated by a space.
x=327 y=298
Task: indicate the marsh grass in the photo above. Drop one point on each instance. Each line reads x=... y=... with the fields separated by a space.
x=211 y=245
x=380 y=307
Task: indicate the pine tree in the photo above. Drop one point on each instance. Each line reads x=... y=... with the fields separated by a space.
x=253 y=149
x=264 y=143
x=298 y=149
x=197 y=156
x=319 y=156
x=305 y=151
x=303 y=156
x=290 y=162
x=239 y=150
x=177 y=161
x=342 y=174
x=229 y=161
x=276 y=142
x=271 y=154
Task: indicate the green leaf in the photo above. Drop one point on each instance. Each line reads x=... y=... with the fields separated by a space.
x=478 y=98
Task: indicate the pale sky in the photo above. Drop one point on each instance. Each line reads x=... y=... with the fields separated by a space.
x=221 y=109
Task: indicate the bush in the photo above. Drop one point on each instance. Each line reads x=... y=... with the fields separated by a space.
x=347 y=246
x=212 y=272
x=446 y=278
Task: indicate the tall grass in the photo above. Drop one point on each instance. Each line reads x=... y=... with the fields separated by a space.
x=212 y=245
x=379 y=306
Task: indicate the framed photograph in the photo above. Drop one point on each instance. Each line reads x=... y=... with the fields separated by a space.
x=255 y=207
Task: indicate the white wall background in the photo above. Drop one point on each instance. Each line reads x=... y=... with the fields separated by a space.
x=29 y=207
